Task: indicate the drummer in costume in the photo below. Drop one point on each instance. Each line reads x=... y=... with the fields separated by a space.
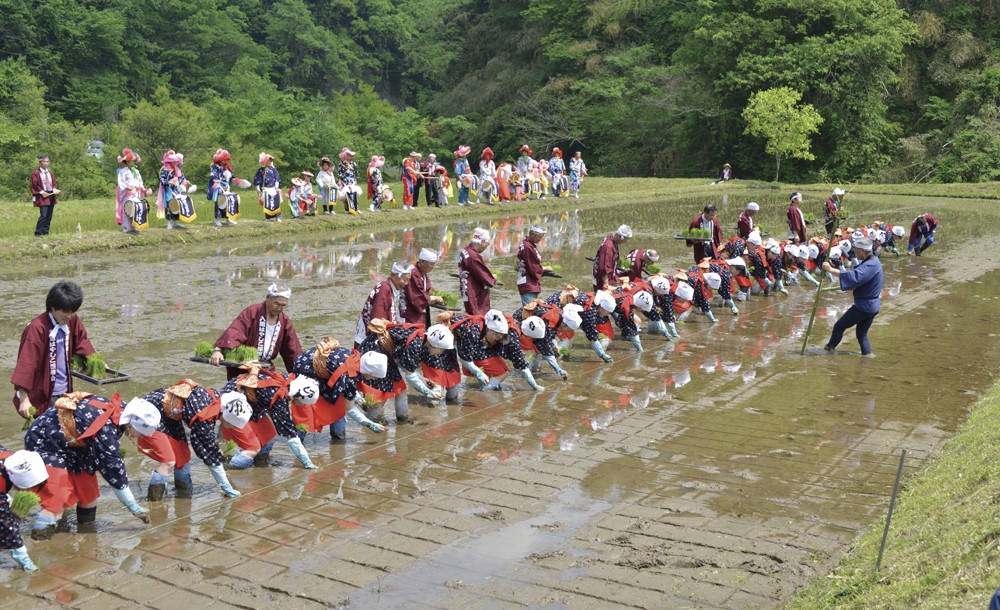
x=416 y=302
x=384 y=301
x=220 y=177
x=131 y=210
x=557 y=169
x=487 y=176
x=172 y=185
x=461 y=169
x=338 y=372
x=270 y=396
x=267 y=181
x=375 y=185
x=475 y=278
x=594 y=310
x=706 y=220
x=411 y=178
x=327 y=183
x=524 y=166
x=264 y=326
x=76 y=439
x=347 y=171
x=577 y=170
x=484 y=345
x=26 y=471
x=48 y=344
x=185 y=404
x=605 y=273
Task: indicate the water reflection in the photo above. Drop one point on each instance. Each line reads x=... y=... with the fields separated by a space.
x=729 y=418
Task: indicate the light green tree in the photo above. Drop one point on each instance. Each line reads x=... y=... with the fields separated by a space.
x=775 y=114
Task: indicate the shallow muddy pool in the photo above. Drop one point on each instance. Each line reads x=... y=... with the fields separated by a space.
x=723 y=469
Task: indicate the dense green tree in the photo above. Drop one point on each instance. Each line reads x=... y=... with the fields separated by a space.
x=776 y=115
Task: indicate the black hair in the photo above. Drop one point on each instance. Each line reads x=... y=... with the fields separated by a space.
x=711 y=208
x=64 y=296
x=921 y=221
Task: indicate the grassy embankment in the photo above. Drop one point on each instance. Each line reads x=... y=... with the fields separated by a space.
x=942 y=550
x=99 y=231
x=96 y=217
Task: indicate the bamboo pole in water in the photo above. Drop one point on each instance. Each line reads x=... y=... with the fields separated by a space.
x=819 y=290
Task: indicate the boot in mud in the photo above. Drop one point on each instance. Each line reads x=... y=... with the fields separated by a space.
x=44 y=533
x=262 y=460
x=156 y=491
x=86 y=520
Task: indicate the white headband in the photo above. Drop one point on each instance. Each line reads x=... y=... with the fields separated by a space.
x=272 y=291
x=401 y=268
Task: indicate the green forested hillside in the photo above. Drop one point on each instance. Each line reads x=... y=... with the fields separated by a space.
x=907 y=91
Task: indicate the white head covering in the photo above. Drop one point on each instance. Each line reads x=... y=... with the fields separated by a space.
x=897 y=231
x=604 y=300
x=660 y=284
x=813 y=251
x=273 y=291
x=753 y=207
x=481 y=235
x=838 y=191
x=864 y=243
x=845 y=245
x=441 y=337
x=401 y=268
x=684 y=291
x=236 y=410
x=537 y=229
x=794 y=250
x=426 y=254
x=714 y=280
x=304 y=389
x=496 y=321
x=26 y=469
x=143 y=416
x=774 y=248
x=624 y=231
x=858 y=234
x=534 y=327
x=754 y=238
x=643 y=300
x=737 y=262
x=834 y=252
x=374 y=364
x=652 y=255
x=571 y=316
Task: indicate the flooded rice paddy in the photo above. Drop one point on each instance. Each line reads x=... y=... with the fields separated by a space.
x=720 y=470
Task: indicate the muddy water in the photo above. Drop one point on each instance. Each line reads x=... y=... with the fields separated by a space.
x=720 y=470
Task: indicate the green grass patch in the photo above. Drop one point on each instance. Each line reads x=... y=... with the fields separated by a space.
x=942 y=549
x=204 y=349
x=92 y=365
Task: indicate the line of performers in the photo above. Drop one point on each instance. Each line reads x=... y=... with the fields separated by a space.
x=528 y=178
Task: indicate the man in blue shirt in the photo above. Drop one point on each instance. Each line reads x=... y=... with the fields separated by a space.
x=865 y=280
